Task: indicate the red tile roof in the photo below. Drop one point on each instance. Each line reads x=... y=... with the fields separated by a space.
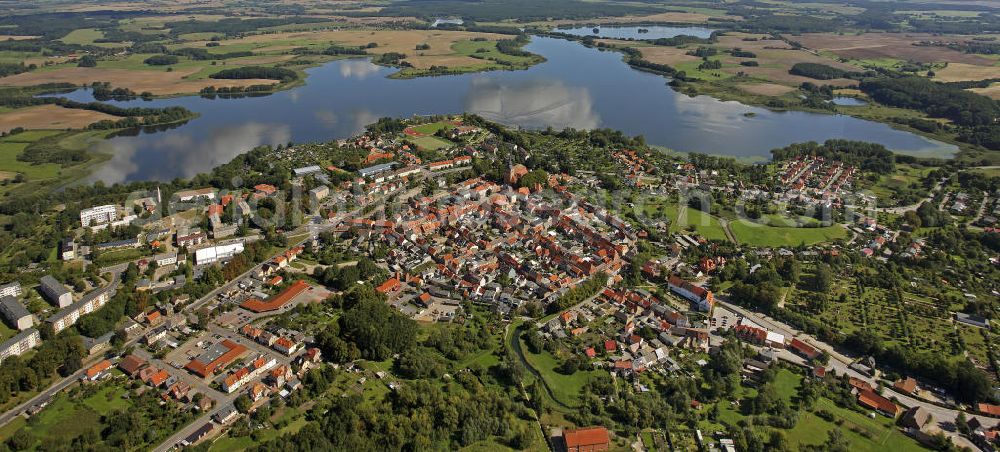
x=206 y=369
x=96 y=369
x=876 y=402
x=586 y=438
x=276 y=302
x=990 y=409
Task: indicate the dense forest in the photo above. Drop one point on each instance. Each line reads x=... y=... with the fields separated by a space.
x=935 y=99
x=821 y=71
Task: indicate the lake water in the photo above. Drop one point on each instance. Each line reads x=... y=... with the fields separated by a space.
x=653 y=32
x=848 y=101
x=577 y=87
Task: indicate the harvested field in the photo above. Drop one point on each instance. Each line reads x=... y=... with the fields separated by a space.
x=957 y=72
x=50 y=117
x=992 y=91
x=666 y=55
x=765 y=89
x=155 y=81
x=889 y=45
x=15 y=38
x=400 y=41
x=775 y=59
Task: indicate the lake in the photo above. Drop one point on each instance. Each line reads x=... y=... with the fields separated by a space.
x=577 y=87
x=652 y=32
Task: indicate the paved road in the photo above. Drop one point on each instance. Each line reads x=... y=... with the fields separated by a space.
x=61 y=384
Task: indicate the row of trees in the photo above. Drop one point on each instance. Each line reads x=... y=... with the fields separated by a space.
x=254 y=72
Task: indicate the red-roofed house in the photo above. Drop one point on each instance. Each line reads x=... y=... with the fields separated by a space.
x=587 y=439
x=390 y=285
x=805 y=350
x=878 y=403
x=990 y=409
x=97 y=370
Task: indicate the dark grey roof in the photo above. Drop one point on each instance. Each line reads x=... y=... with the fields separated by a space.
x=52 y=286
x=12 y=310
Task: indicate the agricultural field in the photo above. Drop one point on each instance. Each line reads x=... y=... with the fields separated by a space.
x=892 y=46
x=51 y=117
x=454 y=50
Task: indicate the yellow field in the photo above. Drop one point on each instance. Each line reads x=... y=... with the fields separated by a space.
x=399 y=41
x=765 y=89
x=992 y=91
x=156 y=81
x=50 y=117
x=957 y=72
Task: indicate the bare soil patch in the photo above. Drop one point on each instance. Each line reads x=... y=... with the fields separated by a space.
x=50 y=117
x=765 y=89
x=666 y=55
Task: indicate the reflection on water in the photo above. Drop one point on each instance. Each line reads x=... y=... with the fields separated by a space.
x=165 y=156
x=576 y=87
x=533 y=103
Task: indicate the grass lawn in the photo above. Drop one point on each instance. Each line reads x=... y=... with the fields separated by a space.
x=11 y=147
x=754 y=234
x=432 y=143
x=488 y=50
x=864 y=433
x=566 y=388
x=787 y=384
x=702 y=223
x=6 y=332
x=432 y=128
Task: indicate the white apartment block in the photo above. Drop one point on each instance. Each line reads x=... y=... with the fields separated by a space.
x=20 y=343
x=98 y=215
x=11 y=290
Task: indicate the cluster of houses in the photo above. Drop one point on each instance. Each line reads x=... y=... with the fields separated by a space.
x=624 y=351
x=283 y=341
x=497 y=244
x=814 y=178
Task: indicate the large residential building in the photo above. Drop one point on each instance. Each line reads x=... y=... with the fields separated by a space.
x=234 y=381
x=12 y=289
x=700 y=296
x=55 y=292
x=20 y=343
x=91 y=302
x=319 y=193
x=191 y=238
x=162 y=260
x=98 y=215
x=15 y=314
